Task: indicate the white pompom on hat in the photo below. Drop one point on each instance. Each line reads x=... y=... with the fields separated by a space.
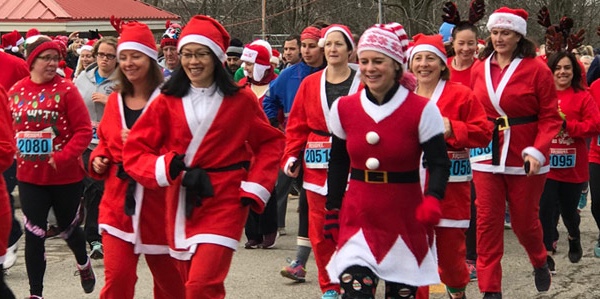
x=514 y=19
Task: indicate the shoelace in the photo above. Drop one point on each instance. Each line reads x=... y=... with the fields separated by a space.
x=85 y=273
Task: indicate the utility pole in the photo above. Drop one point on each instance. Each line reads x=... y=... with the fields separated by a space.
x=264 y=16
x=380 y=15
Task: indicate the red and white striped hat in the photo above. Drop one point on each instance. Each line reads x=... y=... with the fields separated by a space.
x=388 y=39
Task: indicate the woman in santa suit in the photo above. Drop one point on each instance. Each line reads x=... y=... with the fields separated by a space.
x=7 y=152
x=260 y=229
x=465 y=126
x=513 y=86
x=568 y=155
x=190 y=140
x=131 y=218
x=594 y=161
x=307 y=130
x=385 y=221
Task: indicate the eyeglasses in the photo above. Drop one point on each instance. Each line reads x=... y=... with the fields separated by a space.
x=48 y=58
x=107 y=56
x=197 y=55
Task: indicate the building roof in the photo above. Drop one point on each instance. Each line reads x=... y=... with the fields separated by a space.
x=72 y=15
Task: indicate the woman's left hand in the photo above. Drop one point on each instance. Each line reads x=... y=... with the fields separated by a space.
x=534 y=165
x=52 y=162
x=447 y=128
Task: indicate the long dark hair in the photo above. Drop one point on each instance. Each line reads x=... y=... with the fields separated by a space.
x=179 y=83
x=525 y=48
x=558 y=56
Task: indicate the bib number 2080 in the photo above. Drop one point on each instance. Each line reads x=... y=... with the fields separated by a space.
x=34 y=143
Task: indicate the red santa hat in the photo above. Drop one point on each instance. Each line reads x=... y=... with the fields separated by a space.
x=12 y=40
x=432 y=43
x=32 y=35
x=89 y=46
x=509 y=18
x=388 y=39
x=259 y=53
x=336 y=27
x=137 y=36
x=275 y=56
x=171 y=35
x=208 y=32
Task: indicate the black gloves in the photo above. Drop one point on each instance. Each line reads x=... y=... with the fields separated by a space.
x=177 y=166
x=274 y=122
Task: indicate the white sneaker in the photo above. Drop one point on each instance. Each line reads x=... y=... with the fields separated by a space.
x=11 y=256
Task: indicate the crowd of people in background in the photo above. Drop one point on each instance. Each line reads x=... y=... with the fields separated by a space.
x=409 y=153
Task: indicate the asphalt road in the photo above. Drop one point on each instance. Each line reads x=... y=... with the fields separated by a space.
x=255 y=273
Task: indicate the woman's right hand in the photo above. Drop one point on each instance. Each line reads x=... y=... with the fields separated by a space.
x=292 y=169
x=100 y=164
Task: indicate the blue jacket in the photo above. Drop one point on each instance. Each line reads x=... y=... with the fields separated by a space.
x=282 y=90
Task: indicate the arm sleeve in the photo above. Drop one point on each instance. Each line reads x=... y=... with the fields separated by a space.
x=7 y=137
x=267 y=145
x=102 y=149
x=337 y=174
x=142 y=157
x=297 y=129
x=80 y=125
x=438 y=165
x=472 y=129
x=271 y=102
x=589 y=125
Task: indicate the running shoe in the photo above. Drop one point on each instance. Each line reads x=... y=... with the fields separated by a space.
x=282 y=231
x=252 y=244
x=294 y=271
x=575 y=250
x=269 y=240
x=97 y=252
x=11 y=256
x=551 y=265
x=597 y=249
x=87 y=276
x=492 y=295
x=543 y=278
x=472 y=267
x=331 y=294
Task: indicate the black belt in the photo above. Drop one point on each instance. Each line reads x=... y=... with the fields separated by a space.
x=236 y=166
x=129 y=207
x=374 y=176
x=321 y=133
x=502 y=123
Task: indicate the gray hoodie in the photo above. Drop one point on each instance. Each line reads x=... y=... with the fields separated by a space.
x=86 y=84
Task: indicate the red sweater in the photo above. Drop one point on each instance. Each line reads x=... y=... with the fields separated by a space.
x=55 y=106
x=594 y=145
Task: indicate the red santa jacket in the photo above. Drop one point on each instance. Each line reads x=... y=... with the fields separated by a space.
x=463 y=76
x=7 y=152
x=525 y=91
x=54 y=108
x=470 y=129
x=215 y=139
x=568 y=151
x=308 y=128
x=13 y=70
x=594 y=154
x=146 y=228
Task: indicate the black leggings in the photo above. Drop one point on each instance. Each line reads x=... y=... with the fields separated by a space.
x=595 y=192
x=359 y=282
x=563 y=198
x=36 y=201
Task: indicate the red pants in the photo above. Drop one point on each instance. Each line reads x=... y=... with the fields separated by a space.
x=523 y=195
x=205 y=273
x=451 y=250
x=120 y=267
x=322 y=248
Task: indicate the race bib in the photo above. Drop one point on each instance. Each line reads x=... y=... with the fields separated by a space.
x=481 y=153
x=95 y=138
x=316 y=154
x=563 y=157
x=460 y=166
x=34 y=143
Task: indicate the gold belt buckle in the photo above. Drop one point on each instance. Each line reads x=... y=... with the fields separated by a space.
x=376 y=177
x=504 y=125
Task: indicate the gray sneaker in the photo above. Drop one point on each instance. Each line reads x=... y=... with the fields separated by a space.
x=97 y=252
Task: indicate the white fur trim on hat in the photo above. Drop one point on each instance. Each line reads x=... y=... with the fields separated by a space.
x=258 y=73
x=508 y=21
x=138 y=47
x=203 y=40
x=425 y=47
x=85 y=48
x=331 y=29
x=274 y=59
x=20 y=41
